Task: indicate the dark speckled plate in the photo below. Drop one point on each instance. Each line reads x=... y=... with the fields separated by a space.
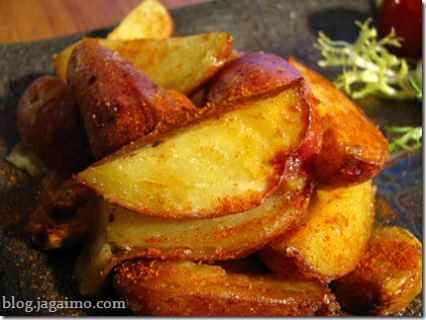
x=281 y=27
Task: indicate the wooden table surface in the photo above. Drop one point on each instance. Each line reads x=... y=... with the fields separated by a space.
x=29 y=20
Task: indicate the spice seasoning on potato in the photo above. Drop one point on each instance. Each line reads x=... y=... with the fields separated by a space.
x=329 y=239
x=388 y=276
x=119 y=103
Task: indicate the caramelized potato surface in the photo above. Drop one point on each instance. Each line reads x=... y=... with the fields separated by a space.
x=119 y=103
x=387 y=278
x=331 y=237
x=184 y=288
x=353 y=150
x=225 y=164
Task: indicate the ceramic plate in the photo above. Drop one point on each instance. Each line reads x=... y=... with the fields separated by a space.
x=281 y=27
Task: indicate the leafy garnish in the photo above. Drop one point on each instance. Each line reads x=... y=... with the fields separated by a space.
x=368 y=67
x=408 y=134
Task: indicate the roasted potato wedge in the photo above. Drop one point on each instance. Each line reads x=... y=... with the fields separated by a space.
x=331 y=237
x=228 y=163
x=388 y=276
x=353 y=150
x=227 y=237
x=118 y=102
x=119 y=235
x=149 y=20
x=49 y=124
x=184 y=288
x=251 y=74
x=183 y=64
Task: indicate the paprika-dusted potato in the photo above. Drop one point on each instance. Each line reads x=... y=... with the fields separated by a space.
x=353 y=150
x=170 y=62
x=228 y=237
x=251 y=74
x=248 y=75
x=185 y=288
x=331 y=237
x=119 y=234
x=228 y=163
x=149 y=20
x=49 y=123
x=118 y=102
x=388 y=276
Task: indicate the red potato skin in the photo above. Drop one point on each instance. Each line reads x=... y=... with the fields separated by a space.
x=247 y=75
x=49 y=123
x=119 y=103
x=353 y=150
x=254 y=73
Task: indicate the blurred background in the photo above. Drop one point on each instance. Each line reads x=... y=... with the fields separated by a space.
x=29 y=20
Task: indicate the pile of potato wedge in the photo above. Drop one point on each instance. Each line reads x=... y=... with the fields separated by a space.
x=211 y=182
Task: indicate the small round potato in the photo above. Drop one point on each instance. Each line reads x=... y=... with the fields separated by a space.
x=49 y=124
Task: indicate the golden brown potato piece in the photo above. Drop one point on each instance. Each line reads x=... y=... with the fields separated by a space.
x=225 y=164
x=183 y=64
x=252 y=74
x=227 y=237
x=184 y=288
x=331 y=237
x=119 y=103
x=149 y=20
x=119 y=235
x=388 y=277
x=49 y=124
x=353 y=150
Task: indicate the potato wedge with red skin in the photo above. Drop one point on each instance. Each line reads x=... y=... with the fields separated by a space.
x=388 y=276
x=328 y=241
x=119 y=103
x=353 y=150
x=170 y=62
x=185 y=288
x=248 y=75
x=251 y=74
x=226 y=163
x=49 y=124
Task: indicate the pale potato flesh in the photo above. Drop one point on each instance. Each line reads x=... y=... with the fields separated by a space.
x=120 y=235
x=226 y=164
x=94 y=263
x=330 y=239
x=227 y=237
x=149 y=20
x=182 y=64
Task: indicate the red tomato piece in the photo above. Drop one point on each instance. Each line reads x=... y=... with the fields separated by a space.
x=405 y=16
